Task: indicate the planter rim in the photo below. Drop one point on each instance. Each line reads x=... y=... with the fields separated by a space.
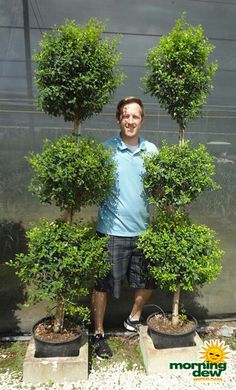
x=52 y=342
x=189 y=316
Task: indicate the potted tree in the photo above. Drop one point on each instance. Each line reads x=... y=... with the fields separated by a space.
x=76 y=75
x=62 y=260
x=64 y=257
x=180 y=254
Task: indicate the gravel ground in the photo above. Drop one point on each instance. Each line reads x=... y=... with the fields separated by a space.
x=117 y=377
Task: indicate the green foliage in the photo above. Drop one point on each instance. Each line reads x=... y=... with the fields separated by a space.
x=180 y=252
x=72 y=174
x=77 y=70
x=183 y=316
x=177 y=175
x=76 y=75
x=62 y=260
x=178 y=73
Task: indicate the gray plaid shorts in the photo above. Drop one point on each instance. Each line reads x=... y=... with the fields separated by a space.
x=127 y=262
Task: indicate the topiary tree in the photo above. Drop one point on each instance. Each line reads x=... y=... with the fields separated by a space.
x=178 y=72
x=77 y=70
x=180 y=254
x=76 y=75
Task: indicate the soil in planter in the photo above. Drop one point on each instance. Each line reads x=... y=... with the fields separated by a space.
x=163 y=324
x=44 y=331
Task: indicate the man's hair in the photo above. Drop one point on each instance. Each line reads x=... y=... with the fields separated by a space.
x=128 y=100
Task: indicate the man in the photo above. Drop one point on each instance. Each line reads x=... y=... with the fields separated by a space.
x=123 y=216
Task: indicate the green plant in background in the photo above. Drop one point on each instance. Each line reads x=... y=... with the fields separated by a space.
x=180 y=254
x=77 y=70
x=178 y=72
x=62 y=261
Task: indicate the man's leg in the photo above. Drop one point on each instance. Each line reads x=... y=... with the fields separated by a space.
x=141 y=297
x=99 y=303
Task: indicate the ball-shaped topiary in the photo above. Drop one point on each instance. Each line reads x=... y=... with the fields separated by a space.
x=72 y=174
x=178 y=175
x=180 y=252
x=61 y=263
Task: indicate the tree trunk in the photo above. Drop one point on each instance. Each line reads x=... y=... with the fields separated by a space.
x=77 y=129
x=175 y=307
x=67 y=215
x=59 y=315
x=181 y=134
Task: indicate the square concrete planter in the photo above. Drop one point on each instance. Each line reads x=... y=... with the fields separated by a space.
x=157 y=361
x=56 y=369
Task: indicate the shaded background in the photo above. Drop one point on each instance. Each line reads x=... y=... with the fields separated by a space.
x=22 y=130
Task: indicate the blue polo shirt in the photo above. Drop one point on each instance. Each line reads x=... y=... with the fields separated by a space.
x=125 y=213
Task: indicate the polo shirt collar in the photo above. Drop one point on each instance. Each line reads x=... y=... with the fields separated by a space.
x=122 y=146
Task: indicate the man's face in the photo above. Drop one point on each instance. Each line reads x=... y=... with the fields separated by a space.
x=130 y=122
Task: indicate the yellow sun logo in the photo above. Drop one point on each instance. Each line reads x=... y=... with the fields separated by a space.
x=214 y=351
